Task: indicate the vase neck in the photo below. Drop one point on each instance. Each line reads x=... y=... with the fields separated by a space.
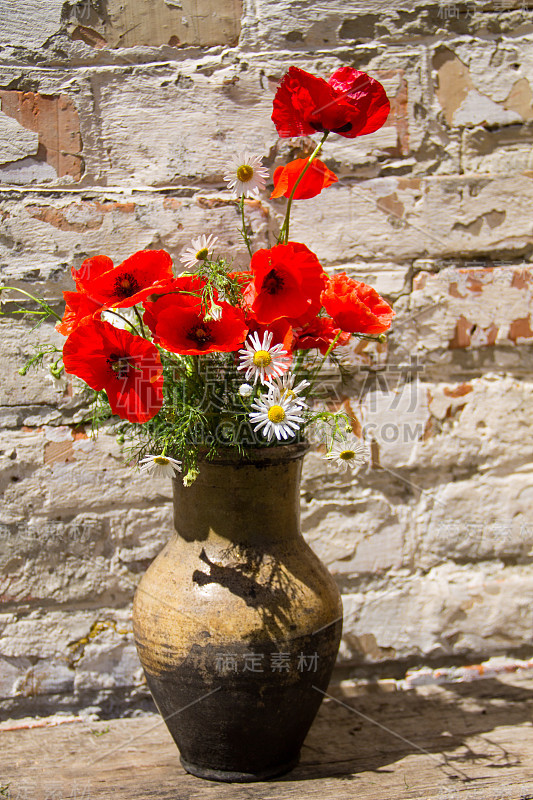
x=243 y=503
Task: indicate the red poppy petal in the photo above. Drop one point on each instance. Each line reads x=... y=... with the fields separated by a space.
x=317 y=177
x=355 y=306
x=91 y=269
x=320 y=333
x=298 y=103
x=289 y=302
x=138 y=396
x=286 y=279
x=78 y=307
x=281 y=330
x=180 y=327
x=84 y=353
x=350 y=104
x=366 y=96
x=127 y=367
x=133 y=280
x=136 y=404
x=154 y=310
x=281 y=182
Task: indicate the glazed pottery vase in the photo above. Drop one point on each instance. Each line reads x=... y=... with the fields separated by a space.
x=237 y=622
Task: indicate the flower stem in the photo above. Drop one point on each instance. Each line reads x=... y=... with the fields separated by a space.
x=138 y=315
x=244 y=234
x=314 y=376
x=372 y=337
x=124 y=319
x=38 y=300
x=283 y=237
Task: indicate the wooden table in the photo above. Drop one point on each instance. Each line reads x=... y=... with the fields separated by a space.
x=464 y=741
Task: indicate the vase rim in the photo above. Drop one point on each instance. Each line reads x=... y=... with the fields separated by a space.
x=258 y=455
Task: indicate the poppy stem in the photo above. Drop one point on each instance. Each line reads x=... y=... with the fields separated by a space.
x=314 y=376
x=299 y=362
x=284 y=232
x=38 y=300
x=244 y=234
x=137 y=314
x=372 y=337
x=124 y=319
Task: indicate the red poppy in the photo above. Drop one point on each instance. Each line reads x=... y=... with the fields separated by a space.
x=351 y=104
x=78 y=307
x=126 y=366
x=355 y=306
x=320 y=333
x=184 y=286
x=317 y=177
x=287 y=282
x=177 y=323
x=138 y=276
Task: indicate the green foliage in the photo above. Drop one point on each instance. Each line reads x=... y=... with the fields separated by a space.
x=37 y=359
x=44 y=311
x=202 y=412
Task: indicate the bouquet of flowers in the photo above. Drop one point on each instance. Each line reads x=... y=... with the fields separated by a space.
x=212 y=357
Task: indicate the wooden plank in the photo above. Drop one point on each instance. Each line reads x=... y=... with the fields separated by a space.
x=472 y=741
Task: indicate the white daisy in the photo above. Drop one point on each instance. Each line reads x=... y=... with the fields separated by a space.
x=281 y=419
x=160 y=466
x=127 y=316
x=262 y=361
x=245 y=390
x=246 y=175
x=284 y=387
x=198 y=253
x=348 y=453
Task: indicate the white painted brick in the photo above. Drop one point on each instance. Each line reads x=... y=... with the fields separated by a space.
x=451 y=610
x=432 y=543
x=30 y=24
x=50 y=236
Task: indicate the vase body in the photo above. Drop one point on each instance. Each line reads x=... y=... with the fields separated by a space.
x=237 y=620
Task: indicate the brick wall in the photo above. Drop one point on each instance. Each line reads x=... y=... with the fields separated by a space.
x=116 y=121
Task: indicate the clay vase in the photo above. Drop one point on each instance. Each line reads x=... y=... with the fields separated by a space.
x=237 y=622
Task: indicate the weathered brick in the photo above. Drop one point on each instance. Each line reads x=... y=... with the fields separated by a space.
x=125 y=24
x=116 y=131
x=69 y=652
x=55 y=119
x=450 y=610
x=29 y=25
x=400 y=218
x=469 y=307
x=44 y=238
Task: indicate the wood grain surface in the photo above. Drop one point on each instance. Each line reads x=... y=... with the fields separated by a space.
x=471 y=741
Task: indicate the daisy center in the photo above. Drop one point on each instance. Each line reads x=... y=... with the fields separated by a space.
x=347 y=455
x=161 y=460
x=289 y=394
x=202 y=254
x=126 y=285
x=262 y=358
x=245 y=173
x=276 y=414
x=273 y=282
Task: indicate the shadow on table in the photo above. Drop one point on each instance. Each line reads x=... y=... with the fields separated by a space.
x=371 y=731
